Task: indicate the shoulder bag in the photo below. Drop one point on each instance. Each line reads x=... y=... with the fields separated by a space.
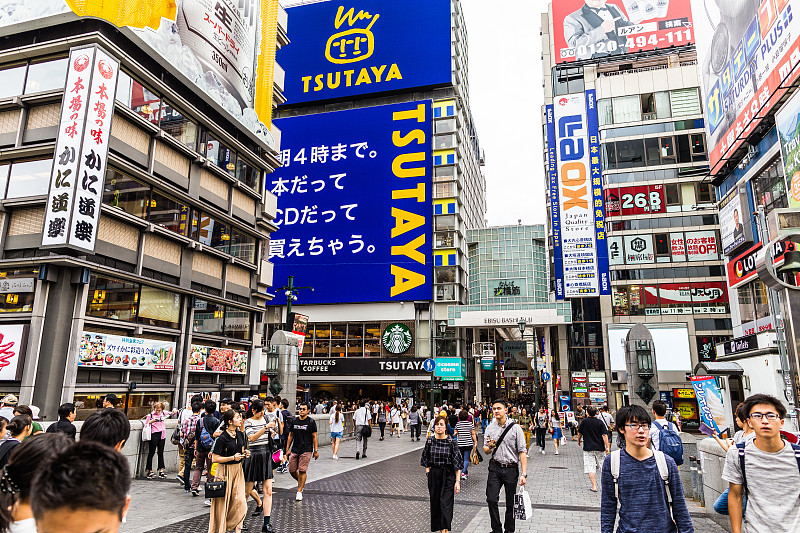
x=215 y=489
x=500 y=440
x=366 y=431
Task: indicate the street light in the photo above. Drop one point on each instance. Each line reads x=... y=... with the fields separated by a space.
x=291 y=296
x=442 y=331
x=522 y=325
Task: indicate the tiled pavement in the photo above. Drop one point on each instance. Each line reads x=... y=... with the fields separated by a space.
x=387 y=493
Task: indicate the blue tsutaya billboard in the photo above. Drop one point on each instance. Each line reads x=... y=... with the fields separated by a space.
x=354 y=204
x=344 y=49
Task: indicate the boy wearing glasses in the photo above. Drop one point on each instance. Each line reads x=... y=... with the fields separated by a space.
x=645 y=483
x=766 y=470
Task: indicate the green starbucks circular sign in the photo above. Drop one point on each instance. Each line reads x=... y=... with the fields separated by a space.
x=397 y=338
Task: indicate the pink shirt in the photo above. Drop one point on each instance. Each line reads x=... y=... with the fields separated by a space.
x=159 y=424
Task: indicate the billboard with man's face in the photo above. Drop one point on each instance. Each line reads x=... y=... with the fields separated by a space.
x=600 y=29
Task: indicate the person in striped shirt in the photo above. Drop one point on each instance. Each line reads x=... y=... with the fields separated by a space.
x=465 y=435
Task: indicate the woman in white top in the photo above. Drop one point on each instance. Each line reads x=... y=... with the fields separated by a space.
x=403 y=417
x=395 y=414
x=257 y=468
x=337 y=430
x=25 y=462
x=555 y=427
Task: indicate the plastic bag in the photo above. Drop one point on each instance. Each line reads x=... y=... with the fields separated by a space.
x=147 y=432
x=523 y=510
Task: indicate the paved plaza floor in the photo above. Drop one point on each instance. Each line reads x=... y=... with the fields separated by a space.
x=387 y=492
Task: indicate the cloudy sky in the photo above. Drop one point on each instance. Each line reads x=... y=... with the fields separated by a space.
x=506 y=96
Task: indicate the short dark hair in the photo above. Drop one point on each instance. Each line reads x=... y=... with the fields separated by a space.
x=269 y=399
x=501 y=401
x=285 y=403
x=107 y=426
x=23 y=410
x=659 y=408
x=196 y=407
x=591 y=410
x=226 y=401
x=210 y=406
x=196 y=398
x=631 y=413
x=463 y=414
x=112 y=399
x=257 y=406
x=304 y=404
x=756 y=399
x=66 y=409
x=87 y=475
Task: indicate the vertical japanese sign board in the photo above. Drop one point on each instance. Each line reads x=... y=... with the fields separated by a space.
x=355 y=210
x=76 y=181
x=787 y=121
x=577 y=210
x=748 y=54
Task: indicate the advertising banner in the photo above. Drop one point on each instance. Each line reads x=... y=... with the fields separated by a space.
x=580 y=197
x=747 y=53
x=639 y=249
x=702 y=246
x=709 y=400
x=787 y=121
x=565 y=403
x=734 y=223
x=555 y=209
x=223 y=47
x=686 y=298
x=348 y=48
x=637 y=200
x=615 y=251
x=515 y=351
x=355 y=213
x=742 y=268
x=224 y=360
x=450 y=369
x=616 y=27
x=507 y=288
x=113 y=351
x=13 y=341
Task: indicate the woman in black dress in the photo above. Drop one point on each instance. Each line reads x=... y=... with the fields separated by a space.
x=443 y=462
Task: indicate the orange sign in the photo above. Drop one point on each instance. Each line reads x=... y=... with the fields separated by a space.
x=683 y=393
x=580 y=395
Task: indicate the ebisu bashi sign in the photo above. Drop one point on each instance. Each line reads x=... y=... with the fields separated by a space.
x=354 y=204
x=576 y=195
x=342 y=49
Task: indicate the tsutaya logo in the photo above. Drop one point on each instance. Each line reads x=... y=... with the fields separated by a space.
x=397 y=338
x=351 y=46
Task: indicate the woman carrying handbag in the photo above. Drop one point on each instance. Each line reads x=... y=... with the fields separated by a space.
x=228 y=502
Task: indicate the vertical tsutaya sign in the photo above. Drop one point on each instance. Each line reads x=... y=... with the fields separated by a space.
x=580 y=197
x=788 y=122
x=76 y=181
x=355 y=204
x=555 y=218
x=748 y=52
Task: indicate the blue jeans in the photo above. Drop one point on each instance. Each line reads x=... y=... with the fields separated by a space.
x=484 y=423
x=465 y=451
x=721 y=505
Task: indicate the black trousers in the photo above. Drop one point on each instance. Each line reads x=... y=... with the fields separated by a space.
x=382 y=425
x=156 y=443
x=188 y=457
x=541 y=433
x=415 y=428
x=499 y=478
x=441 y=487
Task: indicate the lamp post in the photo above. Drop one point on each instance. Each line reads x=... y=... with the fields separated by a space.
x=291 y=296
x=442 y=331
x=522 y=325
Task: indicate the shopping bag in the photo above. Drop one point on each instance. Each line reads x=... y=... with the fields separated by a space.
x=147 y=431
x=522 y=505
x=563 y=441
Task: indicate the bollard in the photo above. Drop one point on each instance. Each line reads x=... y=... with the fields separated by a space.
x=700 y=488
x=693 y=469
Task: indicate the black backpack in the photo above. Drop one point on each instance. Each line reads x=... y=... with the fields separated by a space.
x=741 y=445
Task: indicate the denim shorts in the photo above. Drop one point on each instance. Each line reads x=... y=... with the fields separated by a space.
x=336 y=434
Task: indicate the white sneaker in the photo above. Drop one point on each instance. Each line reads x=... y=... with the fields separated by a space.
x=207 y=503
x=299 y=497
x=556 y=452
x=542 y=452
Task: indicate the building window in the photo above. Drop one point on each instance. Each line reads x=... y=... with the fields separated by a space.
x=237 y=323
x=179 y=126
x=444 y=239
x=685 y=102
x=126 y=193
x=698 y=143
x=208 y=317
x=605 y=112
x=568 y=80
x=443 y=142
x=445 y=293
x=46 y=75
x=29 y=178
x=667 y=150
x=18 y=302
x=13 y=80
x=630 y=153
x=138 y=98
x=444 y=190
x=446 y=125
x=445 y=222
x=243 y=246
x=445 y=173
x=219 y=154
x=672 y=193
x=168 y=213
x=445 y=274
x=769 y=187
x=704 y=193
x=158 y=307
x=247 y=173
x=112 y=298
x=627 y=109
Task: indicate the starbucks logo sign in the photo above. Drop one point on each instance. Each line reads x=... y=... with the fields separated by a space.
x=397 y=338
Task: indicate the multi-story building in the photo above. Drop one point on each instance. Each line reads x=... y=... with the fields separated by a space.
x=656 y=214
x=155 y=288
x=345 y=326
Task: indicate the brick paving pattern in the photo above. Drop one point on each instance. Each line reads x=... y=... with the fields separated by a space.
x=388 y=492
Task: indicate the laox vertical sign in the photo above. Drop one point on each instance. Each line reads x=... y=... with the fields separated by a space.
x=584 y=254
